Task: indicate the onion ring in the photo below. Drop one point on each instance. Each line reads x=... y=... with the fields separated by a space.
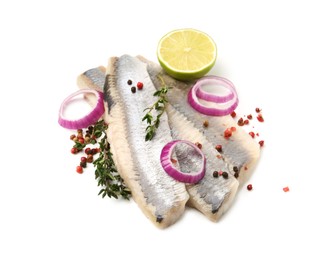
x=87 y=120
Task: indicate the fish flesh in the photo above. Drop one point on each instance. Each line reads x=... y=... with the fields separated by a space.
x=212 y=196
x=160 y=197
x=240 y=151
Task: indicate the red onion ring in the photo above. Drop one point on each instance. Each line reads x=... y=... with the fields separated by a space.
x=87 y=120
x=165 y=160
x=228 y=102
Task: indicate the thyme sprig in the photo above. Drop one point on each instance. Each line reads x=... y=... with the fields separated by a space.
x=106 y=173
x=159 y=106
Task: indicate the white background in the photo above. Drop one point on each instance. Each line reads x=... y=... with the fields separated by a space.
x=270 y=50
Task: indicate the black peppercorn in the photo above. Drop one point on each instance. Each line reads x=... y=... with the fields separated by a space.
x=225 y=175
x=133 y=89
x=215 y=174
x=129 y=82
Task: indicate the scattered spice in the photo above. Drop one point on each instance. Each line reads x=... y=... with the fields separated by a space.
x=260 y=118
x=258 y=109
x=173 y=160
x=240 y=121
x=249 y=116
x=246 y=122
x=129 y=82
x=199 y=145
x=236 y=175
x=219 y=156
x=261 y=143
x=112 y=183
x=286 y=189
x=233 y=114
x=140 y=85
x=79 y=169
x=218 y=147
x=235 y=169
x=215 y=174
x=252 y=134
x=206 y=123
x=233 y=129
x=225 y=175
x=133 y=89
x=249 y=187
x=227 y=133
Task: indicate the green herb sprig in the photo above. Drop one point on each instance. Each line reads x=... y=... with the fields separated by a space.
x=106 y=174
x=160 y=107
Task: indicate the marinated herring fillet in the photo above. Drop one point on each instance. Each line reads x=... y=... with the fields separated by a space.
x=212 y=196
x=160 y=197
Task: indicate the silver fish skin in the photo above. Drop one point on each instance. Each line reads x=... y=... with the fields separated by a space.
x=240 y=150
x=212 y=196
x=161 y=198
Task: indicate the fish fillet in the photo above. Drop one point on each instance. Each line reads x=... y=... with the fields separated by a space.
x=160 y=197
x=212 y=196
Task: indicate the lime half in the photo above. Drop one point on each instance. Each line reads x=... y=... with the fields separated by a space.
x=186 y=54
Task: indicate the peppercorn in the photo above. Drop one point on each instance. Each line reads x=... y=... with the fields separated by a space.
x=72 y=137
x=83 y=159
x=252 y=134
x=140 y=85
x=218 y=147
x=199 y=145
x=225 y=175
x=261 y=143
x=79 y=169
x=260 y=118
x=227 y=133
x=133 y=89
x=79 y=131
x=88 y=150
x=129 y=82
x=74 y=150
x=240 y=122
x=83 y=164
x=249 y=117
x=233 y=114
x=215 y=174
x=89 y=158
x=246 y=122
x=235 y=169
x=236 y=175
x=249 y=187
x=206 y=123
x=258 y=109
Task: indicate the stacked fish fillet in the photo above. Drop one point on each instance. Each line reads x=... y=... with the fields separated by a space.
x=161 y=198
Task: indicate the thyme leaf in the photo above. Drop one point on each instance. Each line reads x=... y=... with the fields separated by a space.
x=112 y=185
x=159 y=106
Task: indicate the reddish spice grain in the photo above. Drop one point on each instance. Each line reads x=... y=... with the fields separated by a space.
x=246 y=122
x=219 y=156
x=261 y=143
x=227 y=133
x=79 y=169
x=89 y=158
x=74 y=150
x=257 y=134
x=83 y=159
x=260 y=118
x=80 y=131
x=72 y=137
x=252 y=134
x=173 y=160
x=81 y=140
x=199 y=145
x=286 y=189
x=249 y=187
x=240 y=122
x=245 y=168
x=218 y=147
x=220 y=173
x=140 y=85
x=233 y=114
x=83 y=164
x=249 y=116
x=233 y=129
x=258 y=109
x=88 y=150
